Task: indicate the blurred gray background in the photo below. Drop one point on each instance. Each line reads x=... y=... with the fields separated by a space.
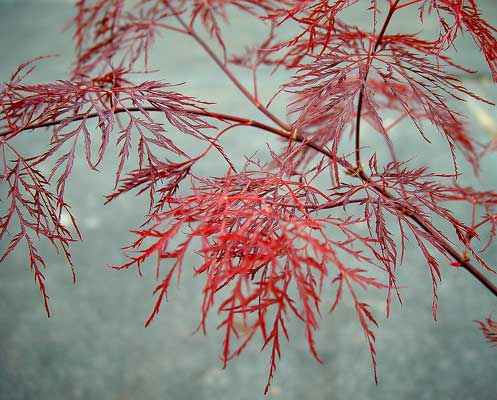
x=95 y=346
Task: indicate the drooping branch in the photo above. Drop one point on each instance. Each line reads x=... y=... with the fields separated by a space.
x=10 y=133
x=377 y=44
x=461 y=259
x=227 y=71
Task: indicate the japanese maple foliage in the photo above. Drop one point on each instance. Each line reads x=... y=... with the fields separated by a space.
x=489 y=329
x=274 y=237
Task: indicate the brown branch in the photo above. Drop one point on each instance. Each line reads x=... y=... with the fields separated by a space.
x=358 y=173
x=228 y=73
x=462 y=260
x=393 y=8
x=291 y=136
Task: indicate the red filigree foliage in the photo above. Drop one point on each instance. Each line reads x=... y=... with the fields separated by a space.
x=489 y=329
x=325 y=218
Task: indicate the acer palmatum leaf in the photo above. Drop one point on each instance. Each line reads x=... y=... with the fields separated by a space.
x=489 y=330
x=274 y=238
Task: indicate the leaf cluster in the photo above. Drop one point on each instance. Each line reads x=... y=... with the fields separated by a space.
x=321 y=219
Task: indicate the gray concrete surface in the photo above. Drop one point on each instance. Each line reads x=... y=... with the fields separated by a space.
x=95 y=345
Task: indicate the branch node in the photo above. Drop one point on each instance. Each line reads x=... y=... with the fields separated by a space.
x=356 y=171
x=294 y=136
